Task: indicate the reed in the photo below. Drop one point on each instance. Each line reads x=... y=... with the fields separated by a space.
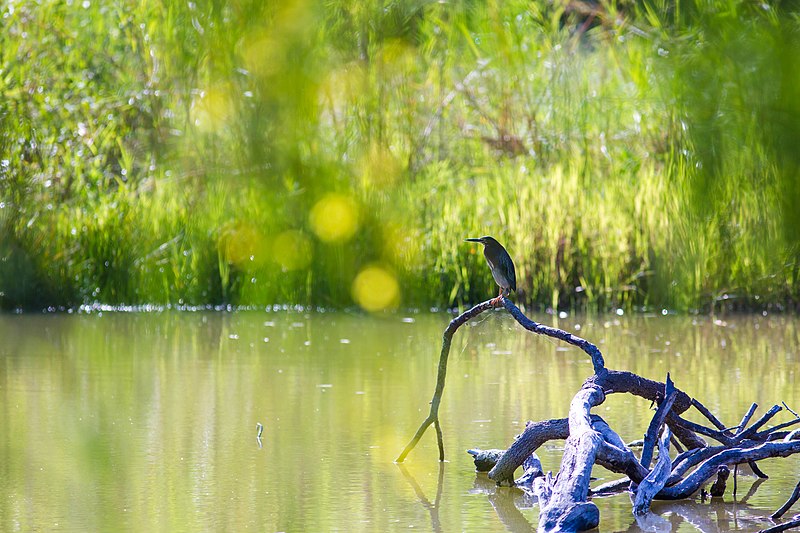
x=271 y=152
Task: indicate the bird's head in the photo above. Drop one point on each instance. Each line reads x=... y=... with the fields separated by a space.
x=486 y=241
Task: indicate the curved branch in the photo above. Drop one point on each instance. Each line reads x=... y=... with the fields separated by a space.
x=433 y=415
x=460 y=320
x=535 y=434
x=592 y=350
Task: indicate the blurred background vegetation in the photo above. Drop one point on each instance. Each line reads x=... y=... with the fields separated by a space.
x=332 y=153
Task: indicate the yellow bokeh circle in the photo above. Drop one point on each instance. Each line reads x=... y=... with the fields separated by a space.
x=334 y=218
x=243 y=243
x=212 y=109
x=376 y=289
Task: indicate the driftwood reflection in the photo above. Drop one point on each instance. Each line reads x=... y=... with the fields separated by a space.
x=714 y=516
x=708 y=516
x=507 y=502
x=432 y=508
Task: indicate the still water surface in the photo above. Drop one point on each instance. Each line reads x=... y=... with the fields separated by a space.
x=147 y=422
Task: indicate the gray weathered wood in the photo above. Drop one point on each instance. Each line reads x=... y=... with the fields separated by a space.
x=612 y=487
x=708 y=414
x=746 y=418
x=651 y=436
x=794 y=523
x=485 y=459
x=718 y=488
x=730 y=456
x=567 y=509
x=612 y=381
x=535 y=434
x=656 y=479
x=589 y=440
x=591 y=350
x=532 y=470
x=747 y=433
x=621 y=461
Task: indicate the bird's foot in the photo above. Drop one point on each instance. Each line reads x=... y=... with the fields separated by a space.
x=497 y=302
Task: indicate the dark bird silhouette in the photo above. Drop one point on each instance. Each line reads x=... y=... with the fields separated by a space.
x=500 y=264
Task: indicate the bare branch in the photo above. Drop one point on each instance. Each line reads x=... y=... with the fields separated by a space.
x=697 y=428
x=433 y=415
x=651 y=436
x=713 y=419
x=764 y=435
x=795 y=522
x=569 y=338
x=746 y=434
x=730 y=456
x=746 y=418
x=789 y=409
x=655 y=480
x=535 y=434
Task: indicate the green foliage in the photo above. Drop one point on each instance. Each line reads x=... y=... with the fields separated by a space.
x=268 y=152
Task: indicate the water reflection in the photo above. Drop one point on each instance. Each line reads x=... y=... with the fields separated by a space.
x=146 y=421
x=432 y=508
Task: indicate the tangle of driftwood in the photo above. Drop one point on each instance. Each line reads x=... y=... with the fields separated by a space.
x=564 y=498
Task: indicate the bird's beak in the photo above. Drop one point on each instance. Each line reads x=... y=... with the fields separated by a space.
x=473 y=240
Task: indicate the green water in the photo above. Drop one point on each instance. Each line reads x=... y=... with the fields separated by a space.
x=147 y=422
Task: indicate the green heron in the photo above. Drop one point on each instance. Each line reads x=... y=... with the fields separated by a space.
x=500 y=264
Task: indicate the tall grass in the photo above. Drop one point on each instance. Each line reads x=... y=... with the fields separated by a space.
x=272 y=152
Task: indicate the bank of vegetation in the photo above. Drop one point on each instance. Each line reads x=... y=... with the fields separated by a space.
x=629 y=154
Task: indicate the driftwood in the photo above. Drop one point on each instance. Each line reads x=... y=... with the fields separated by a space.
x=564 y=499
x=433 y=415
x=791 y=524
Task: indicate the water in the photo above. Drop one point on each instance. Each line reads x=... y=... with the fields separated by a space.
x=147 y=422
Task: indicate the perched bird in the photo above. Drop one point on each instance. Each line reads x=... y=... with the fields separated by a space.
x=500 y=264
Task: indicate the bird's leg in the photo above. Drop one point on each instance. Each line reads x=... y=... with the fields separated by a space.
x=496 y=302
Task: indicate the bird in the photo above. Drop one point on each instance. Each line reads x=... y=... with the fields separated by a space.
x=500 y=264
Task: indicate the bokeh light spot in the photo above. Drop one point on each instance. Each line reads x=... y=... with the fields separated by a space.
x=343 y=85
x=212 y=109
x=243 y=244
x=263 y=55
x=376 y=289
x=292 y=250
x=334 y=218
